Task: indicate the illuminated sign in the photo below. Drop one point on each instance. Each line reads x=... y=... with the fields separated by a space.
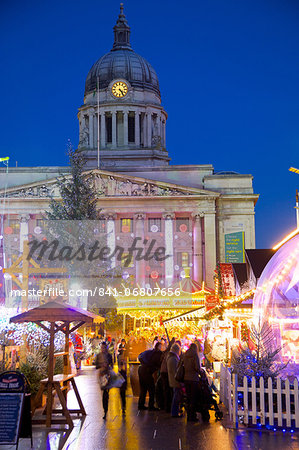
x=234 y=247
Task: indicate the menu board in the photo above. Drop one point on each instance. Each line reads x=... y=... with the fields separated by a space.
x=11 y=405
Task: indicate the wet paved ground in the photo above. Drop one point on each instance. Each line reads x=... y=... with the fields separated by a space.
x=146 y=430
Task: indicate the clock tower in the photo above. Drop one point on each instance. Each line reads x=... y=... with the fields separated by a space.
x=122 y=116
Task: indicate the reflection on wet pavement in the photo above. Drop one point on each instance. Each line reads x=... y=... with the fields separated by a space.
x=145 y=430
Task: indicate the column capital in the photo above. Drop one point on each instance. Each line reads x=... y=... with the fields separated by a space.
x=168 y=215
x=197 y=215
x=139 y=216
x=24 y=218
x=111 y=216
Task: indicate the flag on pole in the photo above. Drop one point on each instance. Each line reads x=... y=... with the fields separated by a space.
x=6 y=158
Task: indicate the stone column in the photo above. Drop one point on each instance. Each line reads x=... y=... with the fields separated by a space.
x=210 y=248
x=126 y=142
x=82 y=121
x=160 y=126
x=169 y=248
x=114 y=129
x=163 y=133
x=103 y=130
x=91 y=130
x=111 y=236
x=197 y=248
x=149 y=129
x=137 y=128
x=24 y=229
x=139 y=233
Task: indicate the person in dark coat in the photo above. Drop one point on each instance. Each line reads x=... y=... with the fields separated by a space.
x=173 y=359
x=146 y=380
x=104 y=363
x=123 y=388
x=167 y=391
x=191 y=380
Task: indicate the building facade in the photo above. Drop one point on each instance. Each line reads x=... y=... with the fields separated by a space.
x=188 y=209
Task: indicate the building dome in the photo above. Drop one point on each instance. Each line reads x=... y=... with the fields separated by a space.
x=276 y=300
x=122 y=62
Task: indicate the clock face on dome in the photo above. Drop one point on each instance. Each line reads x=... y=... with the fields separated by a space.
x=119 y=89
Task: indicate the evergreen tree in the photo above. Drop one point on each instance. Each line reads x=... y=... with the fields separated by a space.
x=78 y=196
x=72 y=220
x=263 y=360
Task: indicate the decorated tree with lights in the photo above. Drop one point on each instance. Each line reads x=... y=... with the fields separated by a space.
x=262 y=361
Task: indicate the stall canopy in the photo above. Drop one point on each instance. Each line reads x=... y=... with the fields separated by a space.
x=57 y=312
x=53 y=317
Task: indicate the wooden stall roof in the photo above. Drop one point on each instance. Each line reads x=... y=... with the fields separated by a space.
x=57 y=312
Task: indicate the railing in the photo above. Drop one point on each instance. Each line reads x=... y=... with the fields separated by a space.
x=271 y=402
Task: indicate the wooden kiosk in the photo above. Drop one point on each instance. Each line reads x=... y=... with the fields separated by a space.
x=65 y=318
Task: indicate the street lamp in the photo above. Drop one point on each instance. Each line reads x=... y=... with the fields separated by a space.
x=293 y=169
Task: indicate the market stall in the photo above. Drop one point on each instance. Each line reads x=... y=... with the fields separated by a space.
x=149 y=307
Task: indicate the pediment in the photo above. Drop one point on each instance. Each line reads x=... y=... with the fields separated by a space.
x=109 y=184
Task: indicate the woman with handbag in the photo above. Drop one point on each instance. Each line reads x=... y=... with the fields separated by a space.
x=104 y=363
x=191 y=380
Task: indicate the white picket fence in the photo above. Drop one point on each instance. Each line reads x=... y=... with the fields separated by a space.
x=264 y=404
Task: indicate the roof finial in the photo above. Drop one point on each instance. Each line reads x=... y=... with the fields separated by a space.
x=121 y=32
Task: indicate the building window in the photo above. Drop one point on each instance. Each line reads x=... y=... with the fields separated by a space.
x=109 y=129
x=14 y=224
x=126 y=225
x=154 y=225
x=183 y=259
x=126 y=261
x=182 y=224
x=131 y=127
x=102 y=226
x=40 y=223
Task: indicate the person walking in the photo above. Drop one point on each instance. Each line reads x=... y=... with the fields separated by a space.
x=104 y=363
x=173 y=359
x=150 y=362
x=122 y=352
x=191 y=380
x=122 y=368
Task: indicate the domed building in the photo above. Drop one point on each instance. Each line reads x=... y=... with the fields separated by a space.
x=125 y=119
x=199 y=216
x=276 y=300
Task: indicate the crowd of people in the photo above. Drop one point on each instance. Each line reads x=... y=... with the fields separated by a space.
x=174 y=381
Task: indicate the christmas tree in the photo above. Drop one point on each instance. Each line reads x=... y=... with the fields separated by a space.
x=263 y=360
x=78 y=195
x=73 y=221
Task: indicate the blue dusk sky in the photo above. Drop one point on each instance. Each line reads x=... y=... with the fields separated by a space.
x=228 y=73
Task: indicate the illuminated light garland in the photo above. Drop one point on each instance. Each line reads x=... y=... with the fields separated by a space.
x=282 y=273
x=285 y=239
x=218 y=310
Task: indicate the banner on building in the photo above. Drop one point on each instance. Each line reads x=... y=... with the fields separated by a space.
x=227 y=280
x=235 y=247
x=211 y=301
